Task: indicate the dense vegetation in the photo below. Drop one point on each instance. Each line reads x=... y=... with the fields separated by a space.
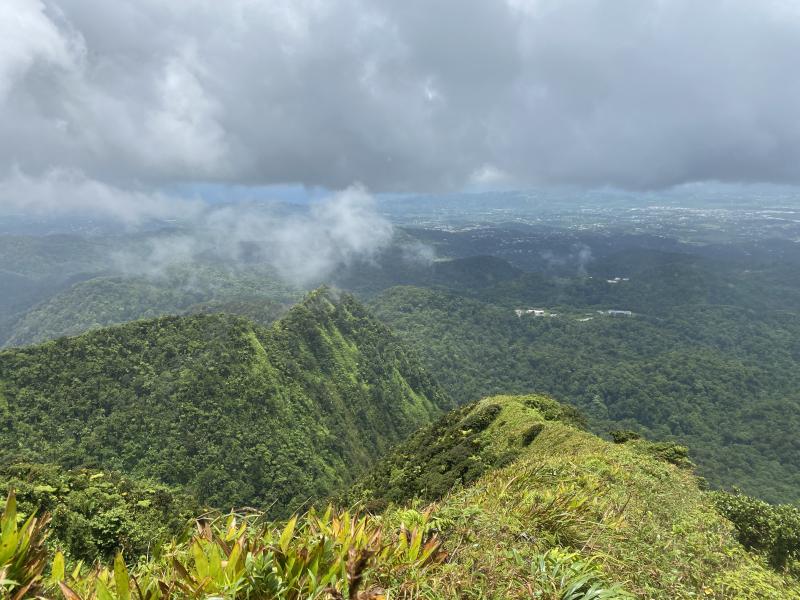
x=317 y=556
x=34 y=268
x=773 y=530
x=96 y=514
x=234 y=412
x=114 y=438
x=571 y=516
x=721 y=380
x=641 y=521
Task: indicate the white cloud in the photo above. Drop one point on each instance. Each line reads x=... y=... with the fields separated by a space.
x=303 y=248
x=67 y=192
x=28 y=36
x=184 y=122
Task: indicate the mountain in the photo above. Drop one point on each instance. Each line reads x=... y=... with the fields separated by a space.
x=458 y=449
x=98 y=301
x=66 y=284
x=32 y=268
x=720 y=379
x=234 y=412
x=408 y=264
x=94 y=303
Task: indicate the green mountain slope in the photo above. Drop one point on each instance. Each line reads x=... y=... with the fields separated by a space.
x=235 y=412
x=33 y=268
x=94 y=303
x=525 y=497
x=719 y=379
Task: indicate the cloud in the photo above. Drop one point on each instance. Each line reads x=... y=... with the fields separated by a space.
x=303 y=248
x=28 y=37
x=65 y=192
x=404 y=96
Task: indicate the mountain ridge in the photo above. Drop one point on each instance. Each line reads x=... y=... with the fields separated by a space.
x=236 y=412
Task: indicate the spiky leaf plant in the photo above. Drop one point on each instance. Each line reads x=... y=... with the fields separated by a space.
x=336 y=555
x=23 y=555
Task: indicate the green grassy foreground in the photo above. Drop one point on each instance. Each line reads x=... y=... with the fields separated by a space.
x=561 y=515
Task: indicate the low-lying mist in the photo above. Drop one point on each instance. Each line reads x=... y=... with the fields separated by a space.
x=303 y=247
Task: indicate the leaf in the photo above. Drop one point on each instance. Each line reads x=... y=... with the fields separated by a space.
x=21 y=593
x=68 y=593
x=416 y=543
x=233 y=562
x=200 y=560
x=215 y=570
x=121 y=578
x=286 y=536
x=182 y=572
x=10 y=517
x=58 y=568
x=427 y=551
x=102 y=591
x=77 y=570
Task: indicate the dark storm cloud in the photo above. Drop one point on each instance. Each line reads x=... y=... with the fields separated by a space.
x=412 y=95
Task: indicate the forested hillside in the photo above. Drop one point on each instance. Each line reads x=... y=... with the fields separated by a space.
x=235 y=412
x=33 y=268
x=721 y=379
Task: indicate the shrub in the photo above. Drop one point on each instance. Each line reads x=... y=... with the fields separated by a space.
x=667 y=451
x=95 y=514
x=620 y=436
x=771 y=530
x=560 y=575
x=552 y=410
x=531 y=433
x=482 y=418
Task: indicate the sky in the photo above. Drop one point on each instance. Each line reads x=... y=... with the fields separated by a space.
x=110 y=107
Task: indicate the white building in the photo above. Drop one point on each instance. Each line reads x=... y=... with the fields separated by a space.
x=536 y=312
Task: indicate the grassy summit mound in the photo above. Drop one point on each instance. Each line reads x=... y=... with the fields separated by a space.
x=564 y=502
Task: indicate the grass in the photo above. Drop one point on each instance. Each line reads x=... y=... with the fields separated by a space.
x=643 y=524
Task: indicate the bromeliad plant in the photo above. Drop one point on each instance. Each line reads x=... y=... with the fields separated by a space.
x=333 y=555
x=23 y=555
